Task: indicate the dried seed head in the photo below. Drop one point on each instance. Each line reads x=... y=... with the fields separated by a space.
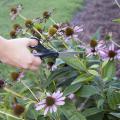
x=46 y=15
x=29 y=23
x=2 y=83
x=15 y=76
x=52 y=31
x=69 y=31
x=93 y=43
x=13 y=34
x=50 y=101
x=13 y=10
x=112 y=54
x=16 y=27
x=18 y=109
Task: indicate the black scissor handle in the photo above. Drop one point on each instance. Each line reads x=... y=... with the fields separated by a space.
x=42 y=51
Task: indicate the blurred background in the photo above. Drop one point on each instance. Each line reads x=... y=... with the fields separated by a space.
x=64 y=11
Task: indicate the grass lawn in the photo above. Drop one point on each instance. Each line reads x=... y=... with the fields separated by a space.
x=65 y=9
x=34 y=8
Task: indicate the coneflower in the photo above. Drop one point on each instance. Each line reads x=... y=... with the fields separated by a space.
x=51 y=102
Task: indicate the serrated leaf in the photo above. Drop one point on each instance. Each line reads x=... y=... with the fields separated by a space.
x=71 y=89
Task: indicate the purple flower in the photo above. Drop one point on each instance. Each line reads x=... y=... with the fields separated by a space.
x=111 y=53
x=72 y=32
x=95 y=48
x=51 y=102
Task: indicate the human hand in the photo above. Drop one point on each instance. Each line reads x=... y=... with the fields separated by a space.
x=15 y=52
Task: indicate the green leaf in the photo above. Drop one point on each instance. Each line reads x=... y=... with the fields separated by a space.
x=91 y=111
x=109 y=70
x=71 y=89
x=83 y=78
x=113 y=98
x=115 y=114
x=75 y=62
x=93 y=72
x=87 y=91
x=71 y=113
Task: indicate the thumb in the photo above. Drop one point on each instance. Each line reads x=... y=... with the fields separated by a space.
x=32 y=42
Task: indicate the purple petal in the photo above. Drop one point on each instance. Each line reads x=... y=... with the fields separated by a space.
x=60 y=103
x=39 y=107
x=46 y=110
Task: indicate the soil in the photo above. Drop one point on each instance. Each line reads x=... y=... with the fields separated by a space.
x=98 y=14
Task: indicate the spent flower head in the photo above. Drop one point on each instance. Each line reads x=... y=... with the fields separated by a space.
x=51 y=102
x=72 y=32
x=15 y=11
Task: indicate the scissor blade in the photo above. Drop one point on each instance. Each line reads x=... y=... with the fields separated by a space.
x=68 y=54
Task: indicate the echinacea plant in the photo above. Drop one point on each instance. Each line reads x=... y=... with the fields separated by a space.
x=79 y=87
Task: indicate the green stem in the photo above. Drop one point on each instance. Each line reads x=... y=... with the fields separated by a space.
x=52 y=20
x=16 y=94
x=7 y=114
x=30 y=90
x=24 y=18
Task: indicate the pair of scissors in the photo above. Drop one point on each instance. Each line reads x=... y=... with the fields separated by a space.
x=44 y=52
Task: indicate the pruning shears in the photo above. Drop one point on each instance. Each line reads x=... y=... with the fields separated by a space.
x=44 y=52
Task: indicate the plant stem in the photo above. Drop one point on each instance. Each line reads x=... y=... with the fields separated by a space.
x=7 y=114
x=16 y=94
x=24 y=18
x=30 y=90
x=52 y=20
